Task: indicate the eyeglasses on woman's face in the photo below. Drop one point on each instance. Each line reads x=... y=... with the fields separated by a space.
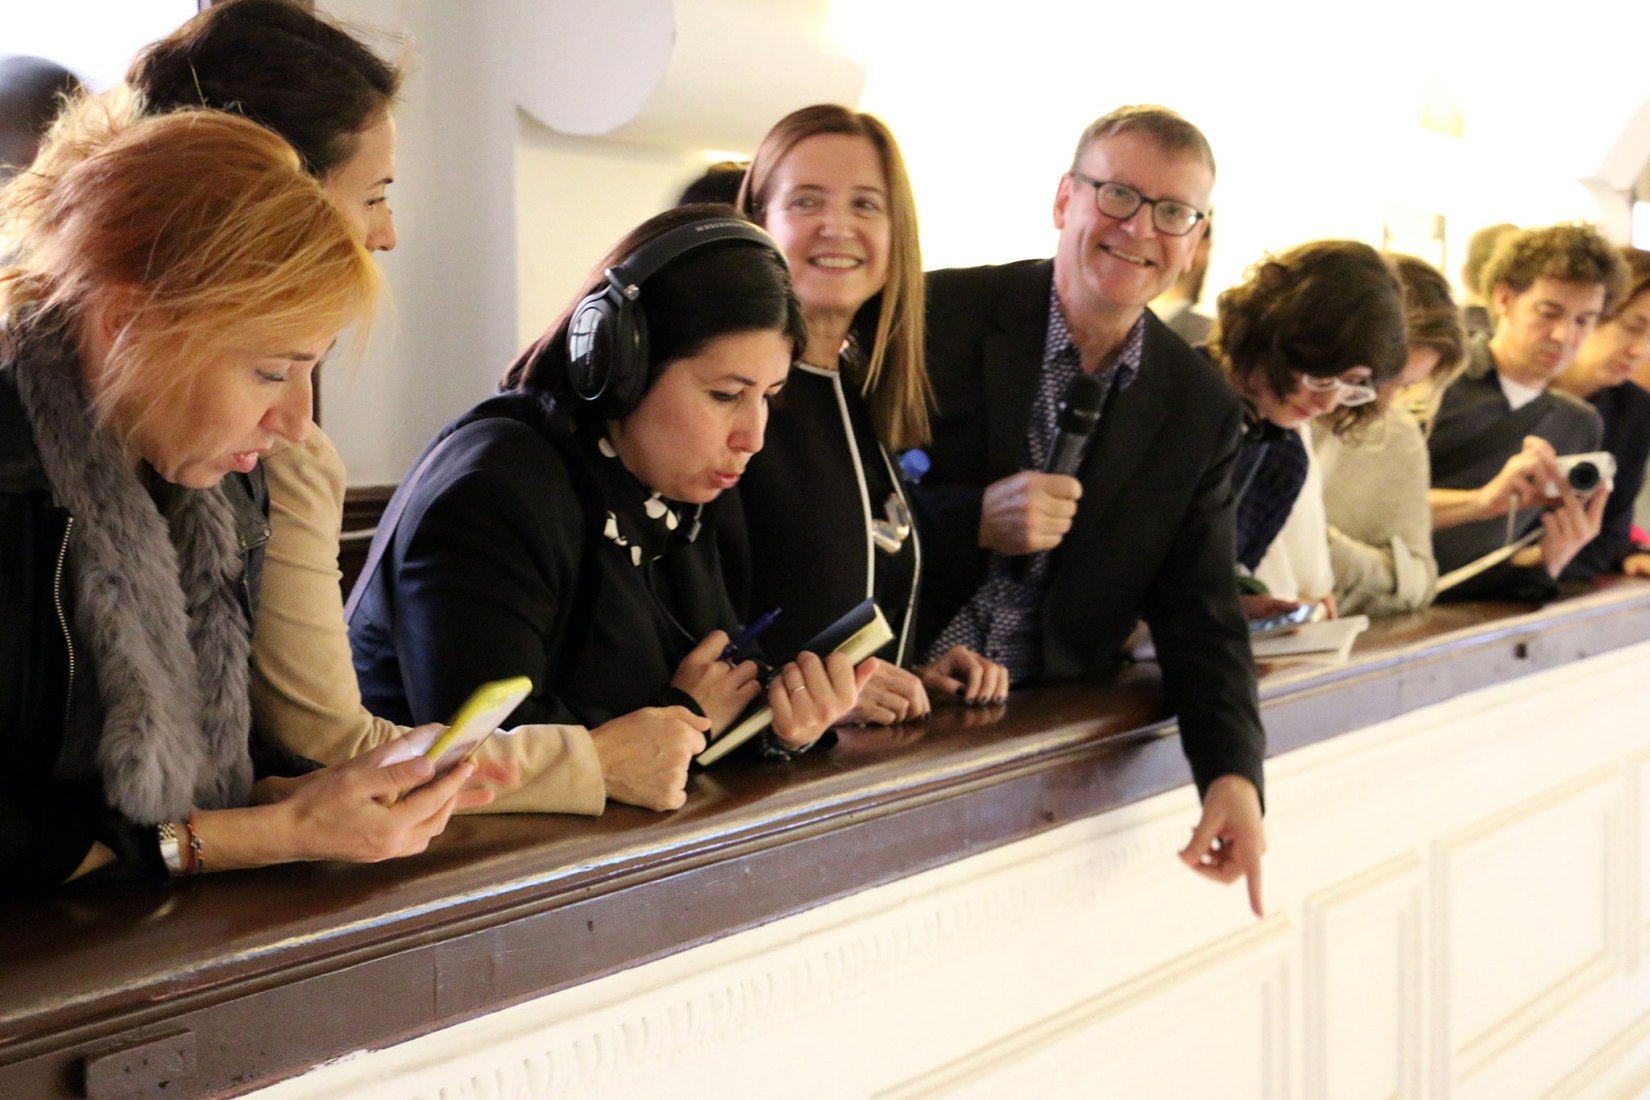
x=1348 y=391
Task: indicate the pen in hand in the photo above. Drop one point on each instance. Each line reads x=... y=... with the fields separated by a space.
x=745 y=637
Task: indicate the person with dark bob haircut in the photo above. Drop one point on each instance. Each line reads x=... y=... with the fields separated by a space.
x=1312 y=333
x=565 y=530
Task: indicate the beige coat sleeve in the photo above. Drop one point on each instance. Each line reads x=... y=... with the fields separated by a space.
x=304 y=691
x=1380 y=537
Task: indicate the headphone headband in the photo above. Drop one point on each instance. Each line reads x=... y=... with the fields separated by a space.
x=647 y=261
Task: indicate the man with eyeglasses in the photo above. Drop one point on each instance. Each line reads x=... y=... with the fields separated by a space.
x=1046 y=573
x=1501 y=425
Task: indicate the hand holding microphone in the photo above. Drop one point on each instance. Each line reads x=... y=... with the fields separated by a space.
x=1032 y=510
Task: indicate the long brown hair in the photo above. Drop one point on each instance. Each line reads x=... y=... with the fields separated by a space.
x=1431 y=320
x=889 y=327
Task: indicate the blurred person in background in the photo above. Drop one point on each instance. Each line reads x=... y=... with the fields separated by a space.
x=1376 y=480
x=1613 y=354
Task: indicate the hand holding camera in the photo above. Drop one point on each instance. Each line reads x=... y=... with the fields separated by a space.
x=1584 y=473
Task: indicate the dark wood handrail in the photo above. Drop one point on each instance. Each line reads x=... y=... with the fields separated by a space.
x=261 y=974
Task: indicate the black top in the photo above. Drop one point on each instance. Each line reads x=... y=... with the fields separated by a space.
x=52 y=803
x=1270 y=471
x=809 y=499
x=1153 y=534
x=523 y=550
x=1475 y=432
x=1626 y=412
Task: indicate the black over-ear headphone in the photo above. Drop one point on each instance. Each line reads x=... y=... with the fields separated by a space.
x=607 y=337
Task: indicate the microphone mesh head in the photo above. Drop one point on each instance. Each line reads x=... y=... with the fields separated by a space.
x=1081 y=407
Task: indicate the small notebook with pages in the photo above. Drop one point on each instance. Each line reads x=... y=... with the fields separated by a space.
x=856 y=635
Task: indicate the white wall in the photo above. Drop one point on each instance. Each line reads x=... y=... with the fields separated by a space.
x=95 y=39
x=1314 y=111
x=561 y=238
x=533 y=134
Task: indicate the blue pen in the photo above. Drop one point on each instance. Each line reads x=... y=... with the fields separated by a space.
x=748 y=635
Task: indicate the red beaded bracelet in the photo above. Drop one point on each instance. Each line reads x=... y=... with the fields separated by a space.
x=197 y=858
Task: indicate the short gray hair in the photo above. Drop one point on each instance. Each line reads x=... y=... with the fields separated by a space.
x=1171 y=132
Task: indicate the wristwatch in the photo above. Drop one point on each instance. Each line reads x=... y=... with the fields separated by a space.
x=171 y=849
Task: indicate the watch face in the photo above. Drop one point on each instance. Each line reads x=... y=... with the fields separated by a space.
x=166 y=835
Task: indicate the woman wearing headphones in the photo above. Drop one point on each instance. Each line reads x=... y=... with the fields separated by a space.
x=830 y=185
x=564 y=530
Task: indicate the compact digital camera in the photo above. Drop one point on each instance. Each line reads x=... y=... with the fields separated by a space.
x=1586 y=473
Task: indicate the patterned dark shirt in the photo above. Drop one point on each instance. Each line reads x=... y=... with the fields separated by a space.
x=1268 y=475
x=1003 y=619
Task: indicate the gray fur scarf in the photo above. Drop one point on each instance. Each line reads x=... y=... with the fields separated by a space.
x=155 y=601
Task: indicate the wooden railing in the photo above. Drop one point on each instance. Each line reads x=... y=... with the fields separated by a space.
x=228 y=982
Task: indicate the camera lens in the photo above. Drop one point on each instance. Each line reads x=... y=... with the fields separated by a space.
x=1584 y=477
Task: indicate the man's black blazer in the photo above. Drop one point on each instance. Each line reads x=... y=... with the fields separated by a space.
x=1153 y=533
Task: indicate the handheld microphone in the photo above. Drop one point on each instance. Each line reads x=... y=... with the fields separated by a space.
x=1079 y=413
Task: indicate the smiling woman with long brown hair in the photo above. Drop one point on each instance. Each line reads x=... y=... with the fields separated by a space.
x=830 y=185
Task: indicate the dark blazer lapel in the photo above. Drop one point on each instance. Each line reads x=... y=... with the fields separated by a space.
x=1011 y=358
x=1128 y=424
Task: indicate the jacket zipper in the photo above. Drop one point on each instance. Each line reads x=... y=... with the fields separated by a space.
x=63 y=619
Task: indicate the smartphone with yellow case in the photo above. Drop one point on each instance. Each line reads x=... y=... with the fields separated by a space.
x=477 y=720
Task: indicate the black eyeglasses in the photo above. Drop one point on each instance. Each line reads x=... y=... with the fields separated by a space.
x=1120 y=201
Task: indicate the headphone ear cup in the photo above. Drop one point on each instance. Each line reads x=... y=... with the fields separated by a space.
x=628 y=378
x=590 y=347
x=632 y=365
x=607 y=353
x=607 y=341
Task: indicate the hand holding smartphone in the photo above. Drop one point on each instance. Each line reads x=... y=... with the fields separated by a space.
x=477 y=720
x=1283 y=622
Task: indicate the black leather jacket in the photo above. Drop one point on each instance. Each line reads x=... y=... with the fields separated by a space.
x=52 y=807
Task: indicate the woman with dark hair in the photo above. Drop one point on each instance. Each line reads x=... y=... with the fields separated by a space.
x=331 y=97
x=1311 y=334
x=1380 y=543
x=830 y=185
x=1615 y=354
x=565 y=530
x=174 y=282
x=307 y=79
